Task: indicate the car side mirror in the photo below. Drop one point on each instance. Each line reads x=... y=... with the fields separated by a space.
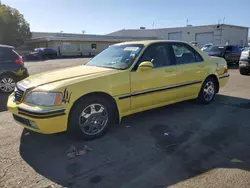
x=145 y=66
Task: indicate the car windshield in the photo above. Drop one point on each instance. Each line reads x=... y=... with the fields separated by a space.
x=216 y=49
x=117 y=56
x=246 y=49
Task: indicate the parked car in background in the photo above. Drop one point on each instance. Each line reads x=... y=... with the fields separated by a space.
x=230 y=53
x=41 y=54
x=203 y=48
x=193 y=43
x=124 y=79
x=12 y=68
x=244 y=65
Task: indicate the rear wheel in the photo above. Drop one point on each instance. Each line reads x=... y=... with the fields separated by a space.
x=7 y=84
x=243 y=71
x=208 y=91
x=90 y=118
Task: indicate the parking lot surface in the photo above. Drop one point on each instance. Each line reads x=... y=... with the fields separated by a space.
x=180 y=145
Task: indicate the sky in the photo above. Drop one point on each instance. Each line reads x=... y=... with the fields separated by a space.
x=106 y=16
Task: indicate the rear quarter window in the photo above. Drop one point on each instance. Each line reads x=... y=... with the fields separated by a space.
x=8 y=55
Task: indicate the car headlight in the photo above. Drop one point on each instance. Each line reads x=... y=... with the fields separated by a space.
x=44 y=98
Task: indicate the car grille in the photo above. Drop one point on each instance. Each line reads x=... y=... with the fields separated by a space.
x=18 y=94
x=22 y=120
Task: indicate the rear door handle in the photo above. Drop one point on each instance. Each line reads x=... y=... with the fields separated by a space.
x=201 y=65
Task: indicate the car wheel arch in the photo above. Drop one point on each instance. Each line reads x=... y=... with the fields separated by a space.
x=216 y=80
x=8 y=74
x=107 y=96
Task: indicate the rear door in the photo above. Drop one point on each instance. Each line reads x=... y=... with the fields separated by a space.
x=190 y=70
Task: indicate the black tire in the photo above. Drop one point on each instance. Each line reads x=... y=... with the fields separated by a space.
x=201 y=97
x=7 y=77
x=73 y=121
x=243 y=71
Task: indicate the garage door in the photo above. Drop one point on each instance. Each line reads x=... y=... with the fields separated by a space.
x=174 y=36
x=204 y=38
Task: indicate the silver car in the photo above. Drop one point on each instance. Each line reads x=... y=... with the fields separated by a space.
x=244 y=64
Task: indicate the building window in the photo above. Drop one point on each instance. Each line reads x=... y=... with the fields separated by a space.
x=93 y=46
x=66 y=46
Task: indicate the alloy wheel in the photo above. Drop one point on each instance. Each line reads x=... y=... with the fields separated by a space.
x=7 y=84
x=93 y=119
x=209 y=91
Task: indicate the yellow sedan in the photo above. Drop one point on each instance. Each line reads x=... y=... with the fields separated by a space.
x=125 y=78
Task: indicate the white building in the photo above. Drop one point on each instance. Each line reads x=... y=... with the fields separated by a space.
x=216 y=34
x=77 y=44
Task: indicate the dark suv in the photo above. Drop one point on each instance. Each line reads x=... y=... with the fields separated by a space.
x=230 y=53
x=12 y=69
x=42 y=54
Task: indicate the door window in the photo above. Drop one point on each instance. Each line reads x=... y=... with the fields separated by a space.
x=236 y=50
x=184 y=54
x=230 y=48
x=158 y=54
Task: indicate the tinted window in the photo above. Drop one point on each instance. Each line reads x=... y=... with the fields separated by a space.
x=216 y=49
x=184 y=54
x=157 y=54
x=8 y=55
x=236 y=49
x=230 y=48
x=49 y=50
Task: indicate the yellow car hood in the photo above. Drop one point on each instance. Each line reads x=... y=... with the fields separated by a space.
x=62 y=74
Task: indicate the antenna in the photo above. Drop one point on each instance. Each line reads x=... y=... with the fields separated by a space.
x=223 y=20
x=153 y=24
x=187 y=22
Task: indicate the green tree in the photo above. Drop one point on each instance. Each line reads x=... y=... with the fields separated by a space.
x=14 y=29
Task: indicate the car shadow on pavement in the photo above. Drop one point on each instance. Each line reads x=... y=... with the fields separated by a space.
x=3 y=101
x=155 y=148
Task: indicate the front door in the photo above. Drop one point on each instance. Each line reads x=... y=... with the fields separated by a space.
x=190 y=69
x=150 y=88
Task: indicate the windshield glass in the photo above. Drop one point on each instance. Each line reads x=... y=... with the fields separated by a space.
x=216 y=49
x=246 y=49
x=117 y=56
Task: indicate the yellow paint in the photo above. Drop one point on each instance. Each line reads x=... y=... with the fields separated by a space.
x=82 y=80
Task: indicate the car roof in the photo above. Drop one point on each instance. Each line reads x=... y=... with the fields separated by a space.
x=5 y=46
x=148 y=42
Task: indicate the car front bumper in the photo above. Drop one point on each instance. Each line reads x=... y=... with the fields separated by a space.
x=46 y=121
x=244 y=64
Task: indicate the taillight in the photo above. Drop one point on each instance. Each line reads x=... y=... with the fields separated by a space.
x=19 y=60
x=225 y=69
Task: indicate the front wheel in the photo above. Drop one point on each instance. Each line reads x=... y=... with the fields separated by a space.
x=90 y=118
x=243 y=71
x=208 y=91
